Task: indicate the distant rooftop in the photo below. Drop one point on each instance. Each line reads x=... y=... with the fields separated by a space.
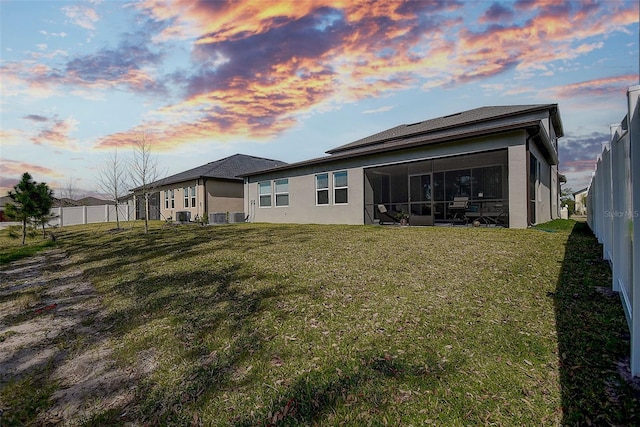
x=230 y=168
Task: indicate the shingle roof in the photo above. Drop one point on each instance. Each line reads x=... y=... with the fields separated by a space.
x=229 y=168
x=458 y=120
x=467 y=124
x=93 y=201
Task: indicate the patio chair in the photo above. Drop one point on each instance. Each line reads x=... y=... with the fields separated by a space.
x=458 y=208
x=386 y=216
x=498 y=213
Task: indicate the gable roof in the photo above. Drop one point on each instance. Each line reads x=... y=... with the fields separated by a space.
x=230 y=168
x=448 y=123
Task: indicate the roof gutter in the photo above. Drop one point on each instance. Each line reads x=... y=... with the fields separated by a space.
x=552 y=155
x=387 y=147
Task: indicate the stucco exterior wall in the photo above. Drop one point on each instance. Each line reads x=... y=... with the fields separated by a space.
x=178 y=200
x=518 y=186
x=555 y=195
x=302 y=207
x=543 y=196
x=224 y=196
x=581 y=203
x=302 y=191
x=211 y=196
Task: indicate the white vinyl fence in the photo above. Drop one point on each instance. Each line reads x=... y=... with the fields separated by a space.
x=613 y=208
x=75 y=215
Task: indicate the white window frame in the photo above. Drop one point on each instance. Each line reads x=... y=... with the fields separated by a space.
x=281 y=193
x=193 y=196
x=327 y=189
x=172 y=198
x=186 y=196
x=336 y=188
x=260 y=194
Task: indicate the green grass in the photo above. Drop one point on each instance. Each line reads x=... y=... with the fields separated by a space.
x=24 y=398
x=12 y=249
x=557 y=225
x=255 y=324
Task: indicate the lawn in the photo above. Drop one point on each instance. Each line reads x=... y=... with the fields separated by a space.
x=255 y=324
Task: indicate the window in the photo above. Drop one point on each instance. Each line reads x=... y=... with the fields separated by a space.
x=282 y=192
x=340 y=188
x=322 y=189
x=264 y=192
x=166 y=199
x=173 y=200
x=193 y=196
x=186 y=197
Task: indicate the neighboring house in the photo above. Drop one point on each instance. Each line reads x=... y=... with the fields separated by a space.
x=3 y=202
x=581 y=201
x=93 y=201
x=503 y=160
x=64 y=202
x=215 y=187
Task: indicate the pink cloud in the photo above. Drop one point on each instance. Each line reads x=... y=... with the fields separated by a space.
x=12 y=170
x=615 y=85
x=16 y=167
x=259 y=65
x=56 y=133
x=263 y=63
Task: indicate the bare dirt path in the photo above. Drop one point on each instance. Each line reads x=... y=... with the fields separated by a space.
x=53 y=324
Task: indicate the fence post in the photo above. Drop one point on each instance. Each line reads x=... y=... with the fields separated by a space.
x=634 y=144
x=618 y=187
x=608 y=193
x=601 y=205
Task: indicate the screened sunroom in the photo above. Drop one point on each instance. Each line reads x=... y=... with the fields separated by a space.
x=457 y=190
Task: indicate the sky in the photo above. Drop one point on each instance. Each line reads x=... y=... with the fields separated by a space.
x=202 y=80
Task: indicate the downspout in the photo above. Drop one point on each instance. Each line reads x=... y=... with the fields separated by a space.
x=529 y=138
x=206 y=198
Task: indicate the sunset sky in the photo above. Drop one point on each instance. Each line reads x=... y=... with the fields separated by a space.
x=290 y=80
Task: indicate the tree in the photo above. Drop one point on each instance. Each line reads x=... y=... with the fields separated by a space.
x=566 y=197
x=69 y=190
x=144 y=173
x=43 y=203
x=23 y=204
x=112 y=180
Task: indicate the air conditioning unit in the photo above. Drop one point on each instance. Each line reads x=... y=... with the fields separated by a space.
x=236 y=217
x=218 y=218
x=183 y=216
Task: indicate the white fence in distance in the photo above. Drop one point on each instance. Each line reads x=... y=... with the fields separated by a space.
x=613 y=210
x=76 y=215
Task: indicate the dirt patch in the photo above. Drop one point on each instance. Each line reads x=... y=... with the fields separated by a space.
x=52 y=322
